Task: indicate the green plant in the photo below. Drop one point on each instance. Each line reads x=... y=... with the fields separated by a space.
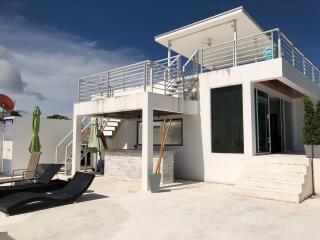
x=16 y=113
x=309 y=127
x=57 y=116
x=317 y=124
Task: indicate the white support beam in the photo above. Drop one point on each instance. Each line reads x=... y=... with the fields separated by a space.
x=147 y=141
x=76 y=144
x=249 y=133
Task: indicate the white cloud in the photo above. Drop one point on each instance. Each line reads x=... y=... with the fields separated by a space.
x=40 y=66
x=10 y=77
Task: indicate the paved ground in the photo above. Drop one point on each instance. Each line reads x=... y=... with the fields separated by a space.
x=115 y=209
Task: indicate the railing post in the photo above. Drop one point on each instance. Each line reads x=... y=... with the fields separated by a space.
x=304 y=65
x=313 y=80
x=65 y=160
x=234 y=53
x=292 y=53
x=123 y=83
x=201 y=57
x=272 y=45
x=235 y=37
x=182 y=78
x=279 y=44
x=101 y=86
x=145 y=77
x=79 y=90
x=108 y=90
x=151 y=77
x=256 y=48
x=165 y=81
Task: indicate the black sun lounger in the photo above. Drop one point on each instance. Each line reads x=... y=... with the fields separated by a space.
x=74 y=189
x=43 y=184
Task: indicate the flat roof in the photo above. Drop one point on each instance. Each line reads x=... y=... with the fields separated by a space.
x=213 y=30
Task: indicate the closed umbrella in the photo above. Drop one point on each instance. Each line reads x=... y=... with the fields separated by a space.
x=34 y=145
x=93 y=144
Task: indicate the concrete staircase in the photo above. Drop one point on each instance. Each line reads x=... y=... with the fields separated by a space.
x=111 y=125
x=189 y=89
x=276 y=177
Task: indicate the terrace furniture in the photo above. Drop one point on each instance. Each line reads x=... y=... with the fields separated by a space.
x=43 y=184
x=28 y=174
x=74 y=189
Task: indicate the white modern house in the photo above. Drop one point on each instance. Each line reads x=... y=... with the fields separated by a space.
x=234 y=92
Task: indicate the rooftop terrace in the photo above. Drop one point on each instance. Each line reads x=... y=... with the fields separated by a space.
x=178 y=78
x=223 y=41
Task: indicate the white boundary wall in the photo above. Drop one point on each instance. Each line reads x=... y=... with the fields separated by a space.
x=51 y=132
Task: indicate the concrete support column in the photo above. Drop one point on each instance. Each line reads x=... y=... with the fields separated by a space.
x=76 y=143
x=147 y=141
x=249 y=123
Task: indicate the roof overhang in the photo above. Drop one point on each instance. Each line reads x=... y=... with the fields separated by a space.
x=209 y=32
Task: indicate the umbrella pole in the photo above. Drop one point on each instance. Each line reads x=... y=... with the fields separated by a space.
x=85 y=159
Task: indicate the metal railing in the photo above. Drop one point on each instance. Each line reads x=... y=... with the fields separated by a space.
x=294 y=56
x=64 y=147
x=179 y=78
x=255 y=48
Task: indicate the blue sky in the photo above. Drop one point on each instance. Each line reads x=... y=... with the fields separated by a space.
x=46 y=44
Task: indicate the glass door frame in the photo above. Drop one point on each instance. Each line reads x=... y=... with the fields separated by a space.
x=257 y=123
x=283 y=124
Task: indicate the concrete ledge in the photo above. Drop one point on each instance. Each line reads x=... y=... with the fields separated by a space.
x=135 y=101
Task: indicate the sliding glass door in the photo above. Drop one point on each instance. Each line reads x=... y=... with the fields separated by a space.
x=274 y=124
x=263 y=122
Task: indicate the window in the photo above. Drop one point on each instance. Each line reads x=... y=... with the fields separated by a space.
x=227 y=120
x=174 y=136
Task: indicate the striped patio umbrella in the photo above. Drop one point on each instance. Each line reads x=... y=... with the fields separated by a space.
x=34 y=145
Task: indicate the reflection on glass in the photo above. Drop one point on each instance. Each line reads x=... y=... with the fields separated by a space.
x=174 y=135
x=227 y=120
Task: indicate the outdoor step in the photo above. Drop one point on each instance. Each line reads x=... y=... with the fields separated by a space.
x=114 y=120
x=275 y=176
x=108 y=133
x=277 y=168
x=291 y=186
x=299 y=160
x=266 y=193
x=109 y=128
x=272 y=179
x=112 y=124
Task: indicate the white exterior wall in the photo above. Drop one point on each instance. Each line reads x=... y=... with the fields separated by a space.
x=51 y=132
x=125 y=137
x=226 y=168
